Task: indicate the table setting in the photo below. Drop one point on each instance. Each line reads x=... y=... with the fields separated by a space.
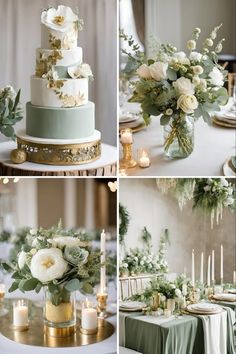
x=185 y=109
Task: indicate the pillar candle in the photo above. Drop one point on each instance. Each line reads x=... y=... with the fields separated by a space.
x=213 y=266
x=20 y=314
x=201 y=269
x=103 y=259
x=209 y=271
x=89 y=318
x=221 y=261
x=193 y=269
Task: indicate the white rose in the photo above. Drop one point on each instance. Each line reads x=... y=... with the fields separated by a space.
x=197 y=69
x=184 y=86
x=48 y=264
x=21 y=259
x=179 y=55
x=62 y=241
x=178 y=292
x=60 y=19
x=191 y=44
x=224 y=182
x=158 y=70
x=82 y=70
x=33 y=232
x=209 y=42
x=144 y=72
x=188 y=103
x=216 y=77
x=195 y=56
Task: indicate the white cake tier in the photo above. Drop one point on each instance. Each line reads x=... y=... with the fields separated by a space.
x=73 y=93
x=69 y=56
x=52 y=39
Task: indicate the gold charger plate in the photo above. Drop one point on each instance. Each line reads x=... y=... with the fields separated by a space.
x=223 y=124
x=35 y=334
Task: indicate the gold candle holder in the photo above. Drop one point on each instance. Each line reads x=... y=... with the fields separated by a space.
x=127 y=141
x=102 y=305
x=194 y=296
x=156 y=299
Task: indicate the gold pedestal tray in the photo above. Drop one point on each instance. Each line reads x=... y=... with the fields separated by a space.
x=35 y=335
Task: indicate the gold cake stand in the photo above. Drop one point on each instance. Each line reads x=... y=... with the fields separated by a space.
x=35 y=334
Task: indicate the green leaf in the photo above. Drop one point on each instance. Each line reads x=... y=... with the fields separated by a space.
x=8 y=131
x=16 y=275
x=73 y=285
x=87 y=288
x=38 y=288
x=30 y=284
x=52 y=288
x=151 y=61
x=165 y=120
x=13 y=287
x=6 y=113
x=171 y=74
x=7 y=267
x=21 y=285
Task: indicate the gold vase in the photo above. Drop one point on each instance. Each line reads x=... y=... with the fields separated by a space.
x=127 y=161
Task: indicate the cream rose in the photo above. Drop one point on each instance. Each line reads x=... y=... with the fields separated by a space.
x=216 y=77
x=188 y=103
x=48 y=264
x=158 y=71
x=60 y=19
x=197 y=69
x=184 y=86
x=144 y=72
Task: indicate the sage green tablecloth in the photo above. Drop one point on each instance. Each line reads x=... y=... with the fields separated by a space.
x=232 y=305
x=177 y=336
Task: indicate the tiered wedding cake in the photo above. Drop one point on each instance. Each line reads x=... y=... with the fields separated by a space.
x=60 y=123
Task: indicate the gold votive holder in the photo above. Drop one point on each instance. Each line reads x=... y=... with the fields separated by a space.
x=194 y=296
x=126 y=137
x=59 y=332
x=102 y=304
x=156 y=299
x=143 y=158
x=88 y=331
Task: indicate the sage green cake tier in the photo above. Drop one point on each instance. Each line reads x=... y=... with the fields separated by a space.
x=60 y=123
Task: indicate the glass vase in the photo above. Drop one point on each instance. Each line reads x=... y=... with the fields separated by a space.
x=170 y=305
x=179 y=137
x=59 y=313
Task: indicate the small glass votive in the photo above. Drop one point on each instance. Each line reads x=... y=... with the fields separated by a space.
x=89 y=318
x=167 y=313
x=20 y=315
x=126 y=136
x=143 y=158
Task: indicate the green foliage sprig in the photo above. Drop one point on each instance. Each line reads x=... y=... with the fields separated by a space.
x=10 y=111
x=124 y=222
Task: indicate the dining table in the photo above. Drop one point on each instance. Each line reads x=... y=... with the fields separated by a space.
x=214 y=146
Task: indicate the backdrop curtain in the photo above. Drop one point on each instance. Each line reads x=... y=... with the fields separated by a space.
x=20 y=36
x=139 y=18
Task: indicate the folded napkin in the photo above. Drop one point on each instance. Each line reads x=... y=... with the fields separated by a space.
x=225 y=297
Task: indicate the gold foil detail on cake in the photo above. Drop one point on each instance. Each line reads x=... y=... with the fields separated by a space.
x=72 y=101
x=55 y=43
x=45 y=63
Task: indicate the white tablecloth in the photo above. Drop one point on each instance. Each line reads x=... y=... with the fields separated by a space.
x=213 y=146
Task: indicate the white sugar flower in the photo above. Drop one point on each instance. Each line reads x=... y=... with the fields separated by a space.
x=188 y=103
x=80 y=71
x=48 y=264
x=60 y=19
x=197 y=69
x=191 y=44
x=21 y=259
x=195 y=56
x=216 y=77
x=158 y=71
x=144 y=72
x=184 y=86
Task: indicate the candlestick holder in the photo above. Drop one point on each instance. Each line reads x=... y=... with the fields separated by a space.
x=127 y=161
x=209 y=291
x=194 y=296
x=102 y=305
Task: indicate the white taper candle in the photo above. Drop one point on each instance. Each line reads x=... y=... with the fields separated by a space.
x=221 y=262
x=201 y=268
x=213 y=266
x=103 y=260
x=209 y=271
x=193 y=268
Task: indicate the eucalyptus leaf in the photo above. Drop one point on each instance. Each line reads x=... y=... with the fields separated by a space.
x=165 y=120
x=30 y=284
x=13 y=287
x=87 y=288
x=171 y=74
x=73 y=285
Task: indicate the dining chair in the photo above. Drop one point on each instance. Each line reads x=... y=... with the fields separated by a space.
x=132 y=285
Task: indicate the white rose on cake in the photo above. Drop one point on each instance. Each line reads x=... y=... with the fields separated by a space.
x=83 y=70
x=158 y=70
x=184 y=86
x=216 y=77
x=48 y=264
x=60 y=19
x=188 y=103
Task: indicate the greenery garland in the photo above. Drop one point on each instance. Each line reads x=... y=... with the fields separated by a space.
x=124 y=222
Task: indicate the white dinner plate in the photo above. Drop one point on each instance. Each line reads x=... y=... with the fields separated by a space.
x=225 y=297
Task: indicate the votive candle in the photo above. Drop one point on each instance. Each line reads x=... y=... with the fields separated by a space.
x=20 y=313
x=126 y=136
x=89 y=317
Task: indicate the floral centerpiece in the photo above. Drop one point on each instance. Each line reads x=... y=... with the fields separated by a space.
x=11 y=111
x=145 y=260
x=179 y=87
x=61 y=262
